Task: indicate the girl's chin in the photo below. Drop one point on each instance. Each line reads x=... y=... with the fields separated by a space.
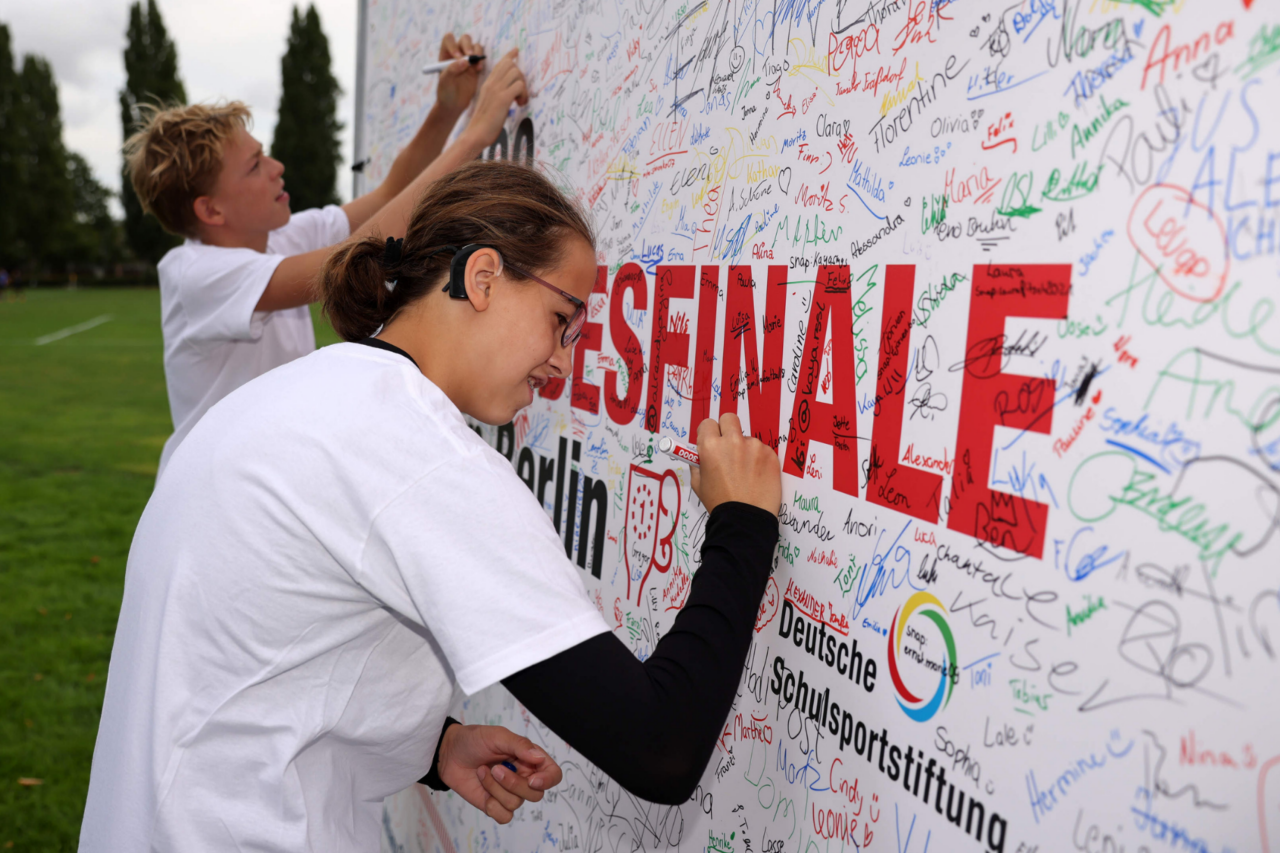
x=495 y=417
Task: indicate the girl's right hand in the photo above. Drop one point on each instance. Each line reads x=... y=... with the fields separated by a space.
x=505 y=84
x=735 y=467
x=459 y=81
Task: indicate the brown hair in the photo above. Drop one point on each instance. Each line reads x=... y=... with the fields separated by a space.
x=177 y=155
x=508 y=207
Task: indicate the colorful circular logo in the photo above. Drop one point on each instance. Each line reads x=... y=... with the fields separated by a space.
x=913 y=706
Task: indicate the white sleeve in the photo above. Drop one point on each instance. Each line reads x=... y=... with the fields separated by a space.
x=309 y=230
x=219 y=288
x=468 y=553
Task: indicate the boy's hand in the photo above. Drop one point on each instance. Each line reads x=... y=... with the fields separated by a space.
x=506 y=83
x=471 y=765
x=735 y=467
x=458 y=82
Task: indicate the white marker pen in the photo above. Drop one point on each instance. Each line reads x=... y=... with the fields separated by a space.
x=675 y=449
x=437 y=67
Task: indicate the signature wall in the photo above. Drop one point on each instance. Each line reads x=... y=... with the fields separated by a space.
x=999 y=284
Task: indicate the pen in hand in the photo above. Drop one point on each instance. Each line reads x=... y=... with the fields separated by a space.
x=437 y=67
x=675 y=449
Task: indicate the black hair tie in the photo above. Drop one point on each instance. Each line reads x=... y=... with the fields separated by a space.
x=391 y=258
x=395 y=248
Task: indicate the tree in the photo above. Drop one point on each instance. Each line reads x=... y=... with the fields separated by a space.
x=95 y=231
x=306 y=137
x=151 y=69
x=45 y=201
x=10 y=251
x=55 y=211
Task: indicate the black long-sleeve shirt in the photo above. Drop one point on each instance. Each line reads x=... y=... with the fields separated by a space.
x=652 y=726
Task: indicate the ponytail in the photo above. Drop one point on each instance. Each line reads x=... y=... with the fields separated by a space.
x=506 y=206
x=354 y=282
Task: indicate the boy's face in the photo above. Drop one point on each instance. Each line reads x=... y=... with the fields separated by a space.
x=249 y=193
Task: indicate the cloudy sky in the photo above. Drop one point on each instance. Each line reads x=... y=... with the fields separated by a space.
x=226 y=48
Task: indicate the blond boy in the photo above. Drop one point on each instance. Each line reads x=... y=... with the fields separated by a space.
x=234 y=296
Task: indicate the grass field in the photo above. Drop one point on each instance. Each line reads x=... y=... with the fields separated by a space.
x=82 y=421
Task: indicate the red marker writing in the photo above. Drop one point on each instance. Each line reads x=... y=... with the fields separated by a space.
x=675 y=449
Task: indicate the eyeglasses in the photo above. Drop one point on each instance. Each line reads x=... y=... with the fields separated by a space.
x=573 y=330
x=457 y=287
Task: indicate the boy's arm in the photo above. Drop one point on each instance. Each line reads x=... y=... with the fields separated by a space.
x=417 y=155
x=456 y=88
x=295 y=278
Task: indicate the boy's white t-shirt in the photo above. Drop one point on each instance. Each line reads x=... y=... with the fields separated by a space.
x=214 y=341
x=331 y=550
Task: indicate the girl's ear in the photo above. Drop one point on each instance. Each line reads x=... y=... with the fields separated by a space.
x=482 y=269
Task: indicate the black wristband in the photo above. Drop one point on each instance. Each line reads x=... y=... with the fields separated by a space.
x=432 y=780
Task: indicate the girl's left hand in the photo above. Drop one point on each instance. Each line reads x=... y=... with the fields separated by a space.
x=458 y=82
x=471 y=765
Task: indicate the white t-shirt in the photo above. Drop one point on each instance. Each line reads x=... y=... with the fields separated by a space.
x=214 y=341
x=330 y=551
